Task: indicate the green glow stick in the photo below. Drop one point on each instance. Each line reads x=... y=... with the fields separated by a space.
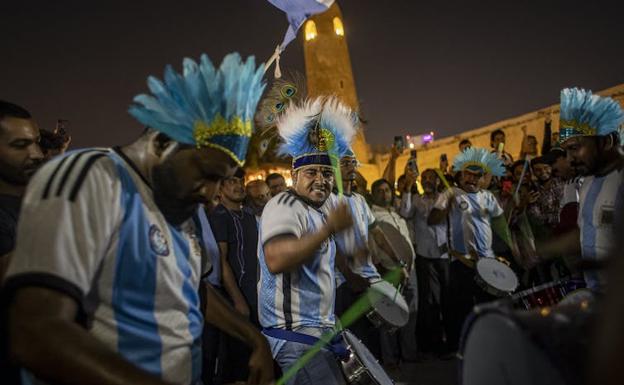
x=442 y=178
x=337 y=174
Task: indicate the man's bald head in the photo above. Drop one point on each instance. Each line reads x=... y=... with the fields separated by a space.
x=258 y=194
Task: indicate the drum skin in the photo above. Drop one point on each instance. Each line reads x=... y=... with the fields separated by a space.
x=545 y=346
x=495 y=277
x=399 y=244
x=388 y=304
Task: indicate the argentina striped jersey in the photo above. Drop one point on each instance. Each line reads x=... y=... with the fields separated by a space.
x=90 y=229
x=303 y=297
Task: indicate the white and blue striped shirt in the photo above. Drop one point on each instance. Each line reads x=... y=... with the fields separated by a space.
x=600 y=201
x=89 y=228
x=470 y=217
x=303 y=297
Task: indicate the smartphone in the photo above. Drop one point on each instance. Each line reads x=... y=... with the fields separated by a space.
x=443 y=158
x=399 y=143
x=412 y=164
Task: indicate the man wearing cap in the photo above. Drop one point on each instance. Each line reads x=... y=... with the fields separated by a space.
x=589 y=133
x=108 y=292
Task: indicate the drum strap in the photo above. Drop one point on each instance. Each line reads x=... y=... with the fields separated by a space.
x=335 y=346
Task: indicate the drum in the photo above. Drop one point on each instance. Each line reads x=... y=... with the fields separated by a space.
x=361 y=367
x=389 y=308
x=495 y=277
x=548 y=294
x=546 y=346
x=400 y=244
x=582 y=297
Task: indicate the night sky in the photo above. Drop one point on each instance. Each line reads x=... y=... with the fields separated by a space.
x=418 y=65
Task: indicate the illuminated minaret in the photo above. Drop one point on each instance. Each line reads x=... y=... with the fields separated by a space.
x=328 y=66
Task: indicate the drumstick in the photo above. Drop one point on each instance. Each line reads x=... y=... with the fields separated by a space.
x=397 y=292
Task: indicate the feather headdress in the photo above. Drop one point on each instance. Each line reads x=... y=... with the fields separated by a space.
x=479 y=159
x=205 y=106
x=316 y=131
x=584 y=114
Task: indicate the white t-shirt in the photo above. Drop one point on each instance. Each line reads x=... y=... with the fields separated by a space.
x=470 y=217
x=431 y=241
x=89 y=228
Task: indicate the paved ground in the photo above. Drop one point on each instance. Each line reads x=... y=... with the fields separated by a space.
x=432 y=372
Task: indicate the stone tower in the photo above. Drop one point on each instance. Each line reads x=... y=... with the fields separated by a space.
x=328 y=66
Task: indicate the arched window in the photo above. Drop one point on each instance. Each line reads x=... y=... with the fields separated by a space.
x=338 y=28
x=310 y=30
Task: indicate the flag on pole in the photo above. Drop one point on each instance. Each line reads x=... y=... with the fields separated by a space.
x=297 y=11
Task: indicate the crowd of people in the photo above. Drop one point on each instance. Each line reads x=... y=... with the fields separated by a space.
x=112 y=259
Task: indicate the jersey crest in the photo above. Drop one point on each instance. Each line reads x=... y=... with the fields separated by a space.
x=158 y=242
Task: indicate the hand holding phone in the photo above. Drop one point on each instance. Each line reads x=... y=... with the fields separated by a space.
x=412 y=164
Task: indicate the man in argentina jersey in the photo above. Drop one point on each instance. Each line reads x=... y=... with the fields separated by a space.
x=297 y=253
x=601 y=198
x=354 y=262
x=471 y=211
x=589 y=132
x=104 y=284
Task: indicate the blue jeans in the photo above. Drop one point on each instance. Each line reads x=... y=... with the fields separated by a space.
x=321 y=369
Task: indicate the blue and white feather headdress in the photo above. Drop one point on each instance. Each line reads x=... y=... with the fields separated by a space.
x=316 y=131
x=205 y=106
x=584 y=114
x=479 y=160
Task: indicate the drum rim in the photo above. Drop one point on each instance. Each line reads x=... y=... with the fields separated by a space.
x=349 y=338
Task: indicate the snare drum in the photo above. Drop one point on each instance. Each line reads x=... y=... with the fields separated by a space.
x=361 y=367
x=495 y=277
x=389 y=308
x=548 y=294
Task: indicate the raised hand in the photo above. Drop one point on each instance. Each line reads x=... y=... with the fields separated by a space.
x=340 y=218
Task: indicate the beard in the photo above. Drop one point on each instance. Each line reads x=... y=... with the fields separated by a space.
x=11 y=175
x=176 y=209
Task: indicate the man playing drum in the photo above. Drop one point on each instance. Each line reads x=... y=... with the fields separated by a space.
x=354 y=260
x=471 y=212
x=589 y=134
x=297 y=252
x=400 y=345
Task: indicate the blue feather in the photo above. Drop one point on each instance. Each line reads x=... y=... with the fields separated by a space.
x=579 y=107
x=201 y=94
x=481 y=157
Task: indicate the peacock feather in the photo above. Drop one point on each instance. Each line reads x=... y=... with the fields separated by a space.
x=283 y=92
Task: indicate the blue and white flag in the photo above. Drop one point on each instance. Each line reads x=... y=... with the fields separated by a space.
x=297 y=11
